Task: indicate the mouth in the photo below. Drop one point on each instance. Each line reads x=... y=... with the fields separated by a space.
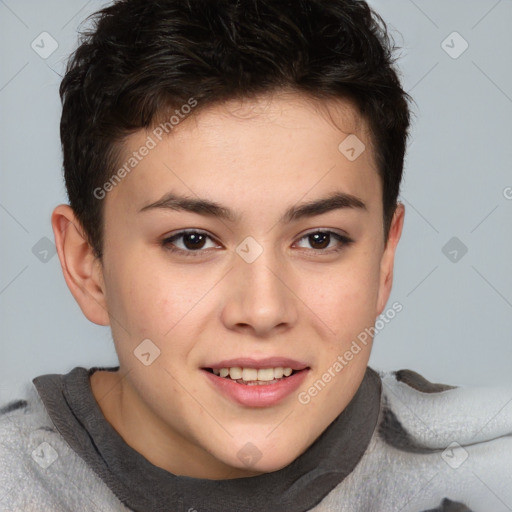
x=256 y=383
x=254 y=376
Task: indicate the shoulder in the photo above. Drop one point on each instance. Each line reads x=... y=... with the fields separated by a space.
x=20 y=422
x=24 y=428
x=38 y=469
x=433 y=414
x=450 y=441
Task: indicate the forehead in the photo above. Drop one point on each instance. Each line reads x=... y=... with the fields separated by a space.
x=273 y=148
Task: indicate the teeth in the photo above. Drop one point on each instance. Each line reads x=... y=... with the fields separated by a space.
x=249 y=374
x=265 y=374
x=235 y=373
x=278 y=372
x=253 y=374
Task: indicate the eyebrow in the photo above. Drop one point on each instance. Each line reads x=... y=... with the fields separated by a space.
x=335 y=201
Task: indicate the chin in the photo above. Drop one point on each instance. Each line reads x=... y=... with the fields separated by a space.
x=264 y=457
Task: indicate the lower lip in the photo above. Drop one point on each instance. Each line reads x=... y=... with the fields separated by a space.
x=258 y=395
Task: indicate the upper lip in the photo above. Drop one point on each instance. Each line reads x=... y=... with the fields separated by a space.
x=267 y=362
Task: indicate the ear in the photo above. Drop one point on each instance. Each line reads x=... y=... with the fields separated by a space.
x=82 y=271
x=388 y=258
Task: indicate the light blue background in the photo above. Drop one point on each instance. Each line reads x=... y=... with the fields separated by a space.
x=456 y=323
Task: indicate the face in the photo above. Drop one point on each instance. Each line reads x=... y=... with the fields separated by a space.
x=282 y=269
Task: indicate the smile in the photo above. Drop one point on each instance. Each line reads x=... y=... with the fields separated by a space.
x=253 y=376
x=250 y=388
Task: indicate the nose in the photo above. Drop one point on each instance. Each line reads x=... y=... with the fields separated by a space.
x=259 y=296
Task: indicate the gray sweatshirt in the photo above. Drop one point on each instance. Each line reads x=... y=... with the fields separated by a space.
x=403 y=444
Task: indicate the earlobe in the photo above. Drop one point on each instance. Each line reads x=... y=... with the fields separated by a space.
x=82 y=272
x=388 y=258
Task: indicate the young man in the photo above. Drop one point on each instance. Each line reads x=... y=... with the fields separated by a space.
x=233 y=169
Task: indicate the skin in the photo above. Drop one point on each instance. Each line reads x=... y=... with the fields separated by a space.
x=258 y=158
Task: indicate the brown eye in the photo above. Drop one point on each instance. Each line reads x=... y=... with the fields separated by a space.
x=188 y=243
x=322 y=241
x=193 y=240
x=319 y=240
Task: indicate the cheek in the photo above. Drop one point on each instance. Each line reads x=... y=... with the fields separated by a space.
x=345 y=299
x=148 y=298
x=160 y=302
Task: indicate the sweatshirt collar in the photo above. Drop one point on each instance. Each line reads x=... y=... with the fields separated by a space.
x=142 y=486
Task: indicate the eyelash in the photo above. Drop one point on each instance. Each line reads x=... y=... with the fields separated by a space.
x=167 y=242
